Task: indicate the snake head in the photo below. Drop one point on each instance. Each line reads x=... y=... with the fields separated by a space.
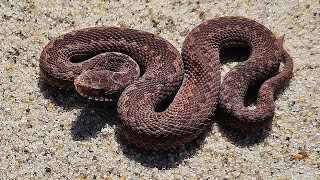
x=108 y=78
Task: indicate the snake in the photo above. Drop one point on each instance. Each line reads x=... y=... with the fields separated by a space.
x=167 y=99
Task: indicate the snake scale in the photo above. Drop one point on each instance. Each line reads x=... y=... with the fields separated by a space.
x=142 y=70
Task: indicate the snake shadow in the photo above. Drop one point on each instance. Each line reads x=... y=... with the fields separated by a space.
x=240 y=138
x=93 y=117
x=163 y=159
x=96 y=115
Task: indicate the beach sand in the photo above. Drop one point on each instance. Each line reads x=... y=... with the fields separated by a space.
x=47 y=134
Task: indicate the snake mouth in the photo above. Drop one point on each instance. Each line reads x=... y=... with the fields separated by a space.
x=93 y=93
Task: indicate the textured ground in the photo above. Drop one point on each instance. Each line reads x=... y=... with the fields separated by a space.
x=50 y=134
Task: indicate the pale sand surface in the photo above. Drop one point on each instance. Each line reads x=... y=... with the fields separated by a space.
x=49 y=134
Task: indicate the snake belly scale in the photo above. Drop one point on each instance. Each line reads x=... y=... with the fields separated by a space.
x=158 y=71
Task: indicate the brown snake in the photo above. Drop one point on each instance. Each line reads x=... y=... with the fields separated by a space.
x=142 y=70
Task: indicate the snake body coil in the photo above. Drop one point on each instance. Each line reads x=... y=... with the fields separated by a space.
x=89 y=59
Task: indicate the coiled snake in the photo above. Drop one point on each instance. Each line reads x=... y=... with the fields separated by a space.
x=143 y=70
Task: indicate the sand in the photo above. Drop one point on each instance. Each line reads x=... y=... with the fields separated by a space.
x=47 y=134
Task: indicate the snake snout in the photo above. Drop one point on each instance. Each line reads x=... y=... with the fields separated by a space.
x=97 y=85
x=108 y=77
